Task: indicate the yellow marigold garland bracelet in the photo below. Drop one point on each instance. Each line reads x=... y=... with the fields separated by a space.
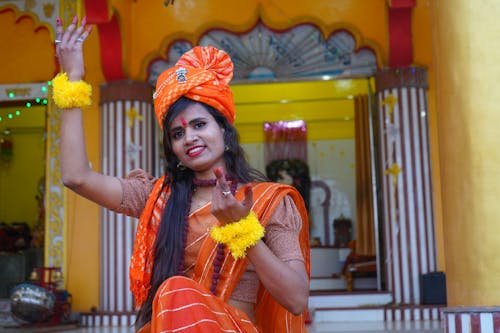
x=68 y=94
x=239 y=236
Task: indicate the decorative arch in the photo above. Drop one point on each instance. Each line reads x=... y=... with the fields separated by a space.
x=263 y=53
x=32 y=37
x=43 y=14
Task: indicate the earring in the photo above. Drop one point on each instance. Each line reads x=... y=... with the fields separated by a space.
x=226 y=148
x=181 y=166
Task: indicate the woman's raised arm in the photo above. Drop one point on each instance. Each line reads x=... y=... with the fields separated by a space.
x=76 y=171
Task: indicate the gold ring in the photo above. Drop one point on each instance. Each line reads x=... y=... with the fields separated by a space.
x=226 y=193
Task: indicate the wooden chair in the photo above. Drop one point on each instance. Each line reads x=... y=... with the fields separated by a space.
x=357 y=265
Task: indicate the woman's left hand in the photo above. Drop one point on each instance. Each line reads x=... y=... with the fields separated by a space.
x=69 y=43
x=225 y=207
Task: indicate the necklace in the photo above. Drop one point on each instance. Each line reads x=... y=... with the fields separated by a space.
x=219 y=257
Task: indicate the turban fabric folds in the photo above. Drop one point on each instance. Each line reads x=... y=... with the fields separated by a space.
x=201 y=74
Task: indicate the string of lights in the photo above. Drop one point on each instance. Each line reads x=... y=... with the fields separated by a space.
x=22 y=97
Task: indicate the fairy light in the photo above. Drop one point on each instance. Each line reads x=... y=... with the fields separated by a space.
x=22 y=112
x=29 y=98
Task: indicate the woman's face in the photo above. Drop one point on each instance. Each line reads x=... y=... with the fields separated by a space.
x=197 y=140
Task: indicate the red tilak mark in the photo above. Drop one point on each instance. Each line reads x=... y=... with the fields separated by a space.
x=184 y=122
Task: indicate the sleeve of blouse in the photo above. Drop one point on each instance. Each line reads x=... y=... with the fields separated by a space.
x=136 y=188
x=283 y=230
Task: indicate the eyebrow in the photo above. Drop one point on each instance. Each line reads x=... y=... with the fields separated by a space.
x=192 y=121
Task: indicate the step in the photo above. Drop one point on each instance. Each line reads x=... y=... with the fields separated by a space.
x=329 y=283
x=107 y=318
x=326 y=261
x=348 y=306
x=336 y=307
x=377 y=314
x=429 y=326
x=348 y=299
x=321 y=315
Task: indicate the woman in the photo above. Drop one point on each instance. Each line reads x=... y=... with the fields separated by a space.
x=217 y=248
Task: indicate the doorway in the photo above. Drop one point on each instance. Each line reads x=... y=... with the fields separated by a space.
x=22 y=186
x=327 y=107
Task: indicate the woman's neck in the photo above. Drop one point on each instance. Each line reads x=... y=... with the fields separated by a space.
x=209 y=174
x=202 y=192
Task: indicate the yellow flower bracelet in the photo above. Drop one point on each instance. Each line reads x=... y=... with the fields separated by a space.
x=239 y=236
x=68 y=94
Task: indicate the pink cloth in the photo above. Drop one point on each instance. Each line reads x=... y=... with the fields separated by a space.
x=282 y=231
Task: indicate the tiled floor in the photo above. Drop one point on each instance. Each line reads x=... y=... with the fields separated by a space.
x=378 y=327
x=351 y=327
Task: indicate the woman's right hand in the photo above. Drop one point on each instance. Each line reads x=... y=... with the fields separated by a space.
x=69 y=45
x=225 y=207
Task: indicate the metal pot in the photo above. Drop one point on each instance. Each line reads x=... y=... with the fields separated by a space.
x=32 y=303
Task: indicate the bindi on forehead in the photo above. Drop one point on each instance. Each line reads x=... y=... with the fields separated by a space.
x=183 y=122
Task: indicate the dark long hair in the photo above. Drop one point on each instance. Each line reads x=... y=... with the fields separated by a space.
x=169 y=246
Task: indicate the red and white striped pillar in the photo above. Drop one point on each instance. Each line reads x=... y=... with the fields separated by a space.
x=408 y=219
x=128 y=142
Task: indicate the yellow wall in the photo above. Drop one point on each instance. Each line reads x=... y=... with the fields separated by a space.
x=20 y=178
x=467 y=65
x=423 y=56
x=28 y=55
x=326 y=106
x=147 y=29
x=155 y=26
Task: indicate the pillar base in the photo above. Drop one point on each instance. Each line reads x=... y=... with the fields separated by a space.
x=471 y=319
x=108 y=318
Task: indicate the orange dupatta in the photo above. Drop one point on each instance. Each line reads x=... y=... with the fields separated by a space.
x=269 y=315
x=141 y=262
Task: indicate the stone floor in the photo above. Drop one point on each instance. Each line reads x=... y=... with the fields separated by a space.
x=9 y=325
x=339 y=327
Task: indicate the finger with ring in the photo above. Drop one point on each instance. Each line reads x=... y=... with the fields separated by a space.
x=79 y=39
x=226 y=193
x=57 y=41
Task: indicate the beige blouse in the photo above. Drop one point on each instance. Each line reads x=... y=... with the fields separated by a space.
x=282 y=230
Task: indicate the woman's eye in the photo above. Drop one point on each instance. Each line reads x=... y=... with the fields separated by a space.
x=199 y=124
x=177 y=134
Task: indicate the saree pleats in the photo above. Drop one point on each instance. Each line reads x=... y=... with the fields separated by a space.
x=182 y=305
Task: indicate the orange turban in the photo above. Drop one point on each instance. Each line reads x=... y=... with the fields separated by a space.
x=201 y=74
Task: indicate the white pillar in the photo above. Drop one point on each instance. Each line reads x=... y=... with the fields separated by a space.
x=408 y=217
x=128 y=142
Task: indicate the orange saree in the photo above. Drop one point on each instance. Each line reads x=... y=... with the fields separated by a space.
x=185 y=304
